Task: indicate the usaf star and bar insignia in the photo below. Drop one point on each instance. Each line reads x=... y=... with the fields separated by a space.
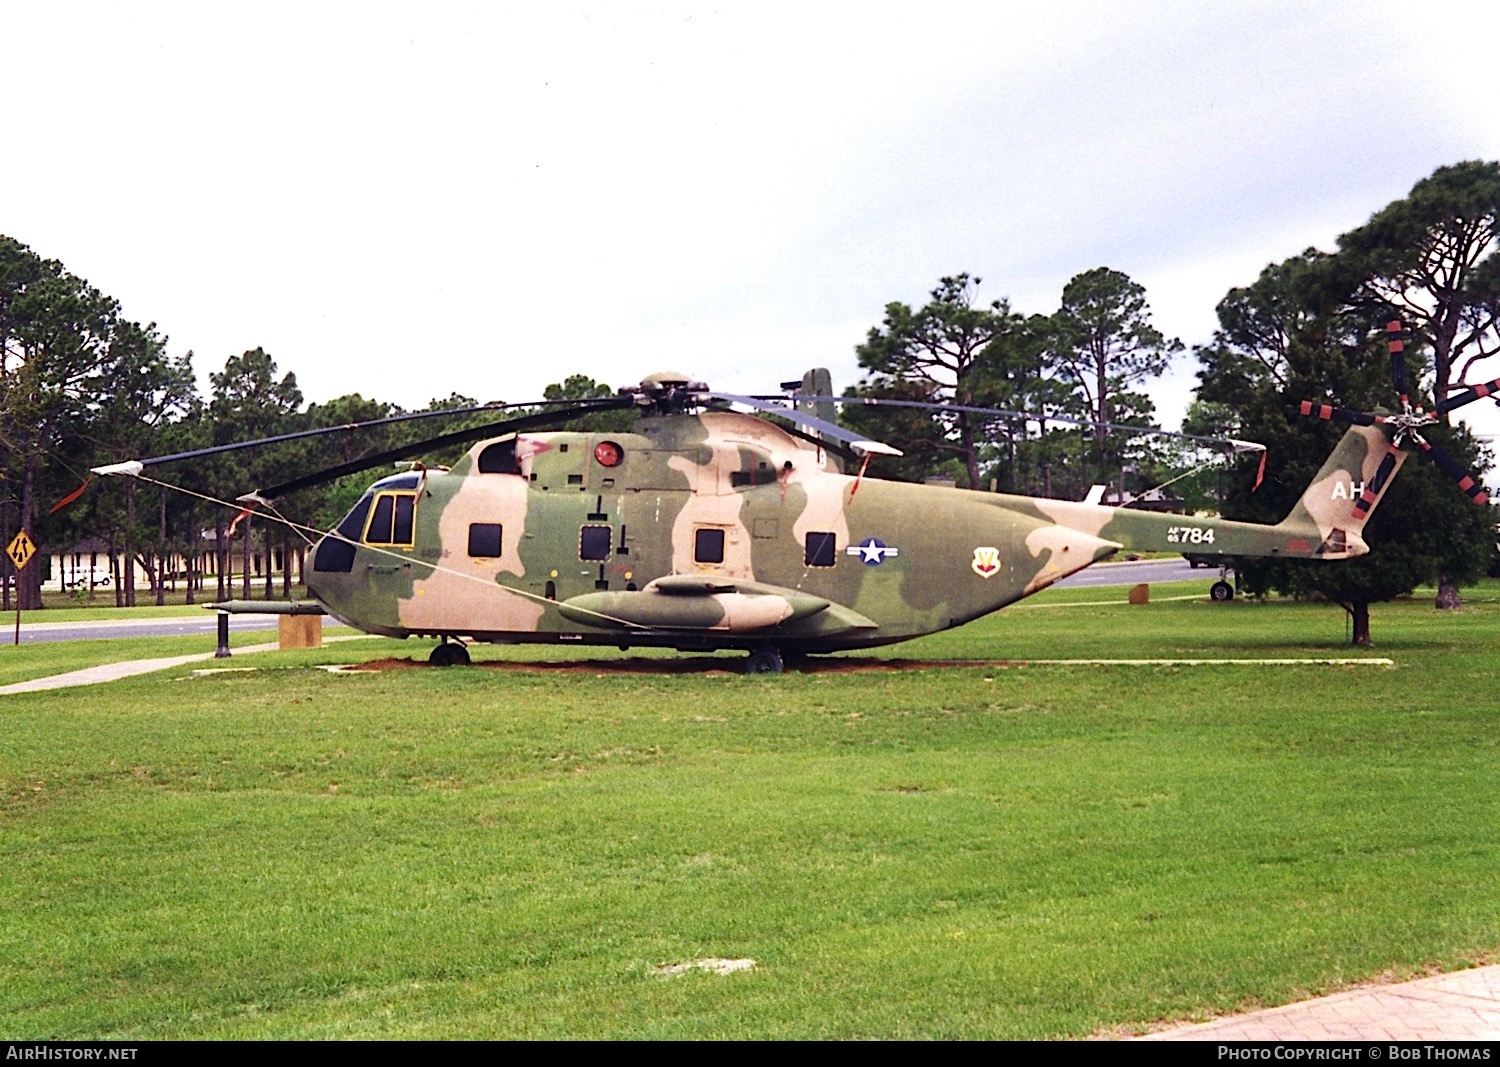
x=872 y=551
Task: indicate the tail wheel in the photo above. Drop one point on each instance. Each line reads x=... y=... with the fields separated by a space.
x=1221 y=591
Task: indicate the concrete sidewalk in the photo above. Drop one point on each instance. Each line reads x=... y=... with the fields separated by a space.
x=1462 y=1006
x=109 y=672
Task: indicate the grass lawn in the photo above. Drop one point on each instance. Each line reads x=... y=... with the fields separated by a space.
x=956 y=851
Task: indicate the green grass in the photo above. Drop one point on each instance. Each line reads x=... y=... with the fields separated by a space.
x=966 y=851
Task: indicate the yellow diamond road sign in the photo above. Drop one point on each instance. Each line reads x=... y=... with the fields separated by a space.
x=20 y=550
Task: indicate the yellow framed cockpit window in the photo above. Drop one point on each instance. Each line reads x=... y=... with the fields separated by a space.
x=393 y=520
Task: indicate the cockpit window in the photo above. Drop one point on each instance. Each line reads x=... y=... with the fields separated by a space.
x=392 y=523
x=354 y=523
x=410 y=480
x=335 y=554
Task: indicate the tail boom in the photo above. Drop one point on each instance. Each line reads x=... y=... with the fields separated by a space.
x=1326 y=522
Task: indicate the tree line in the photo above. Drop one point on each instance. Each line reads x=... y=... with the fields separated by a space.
x=82 y=385
x=1311 y=327
x=1068 y=378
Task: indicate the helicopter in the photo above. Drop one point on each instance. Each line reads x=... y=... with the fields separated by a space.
x=707 y=528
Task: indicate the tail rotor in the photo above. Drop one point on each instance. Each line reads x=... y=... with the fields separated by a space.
x=1405 y=427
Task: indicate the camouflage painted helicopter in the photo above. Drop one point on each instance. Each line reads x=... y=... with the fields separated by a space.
x=707 y=528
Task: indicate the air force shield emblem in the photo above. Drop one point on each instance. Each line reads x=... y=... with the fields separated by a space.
x=986 y=562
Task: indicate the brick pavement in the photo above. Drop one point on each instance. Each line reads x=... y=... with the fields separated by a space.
x=1464 y=1005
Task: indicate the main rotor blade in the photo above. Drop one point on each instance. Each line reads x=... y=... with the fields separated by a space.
x=1328 y=411
x=1453 y=469
x=457 y=437
x=1468 y=396
x=135 y=465
x=877 y=401
x=857 y=441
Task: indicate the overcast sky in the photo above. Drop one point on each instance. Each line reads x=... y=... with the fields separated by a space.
x=410 y=200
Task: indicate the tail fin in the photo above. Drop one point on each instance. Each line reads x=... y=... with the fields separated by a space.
x=1336 y=505
x=818 y=382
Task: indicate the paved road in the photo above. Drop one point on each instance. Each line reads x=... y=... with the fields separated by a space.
x=1148 y=570
x=204 y=623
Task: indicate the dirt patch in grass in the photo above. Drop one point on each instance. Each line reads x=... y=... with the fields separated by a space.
x=695 y=665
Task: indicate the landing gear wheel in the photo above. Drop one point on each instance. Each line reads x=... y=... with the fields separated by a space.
x=449 y=654
x=1221 y=591
x=763 y=661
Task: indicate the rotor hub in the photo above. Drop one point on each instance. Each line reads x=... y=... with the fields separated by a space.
x=668 y=393
x=1408 y=422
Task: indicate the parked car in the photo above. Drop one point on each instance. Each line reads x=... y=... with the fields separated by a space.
x=1205 y=559
x=80 y=579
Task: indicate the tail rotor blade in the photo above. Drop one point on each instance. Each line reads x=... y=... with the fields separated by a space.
x=1328 y=411
x=1468 y=396
x=1451 y=467
x=1376 y=483
x=1396 y=342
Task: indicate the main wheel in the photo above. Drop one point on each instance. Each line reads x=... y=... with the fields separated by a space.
x=449 y=654
x=763 y=661
x=1221 y=591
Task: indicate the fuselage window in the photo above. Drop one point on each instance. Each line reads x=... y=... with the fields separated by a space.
x=708 y=546
x=391 y=523
x=499 y=458
x=485 y=540
x=594 y=542
x=820 y=550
